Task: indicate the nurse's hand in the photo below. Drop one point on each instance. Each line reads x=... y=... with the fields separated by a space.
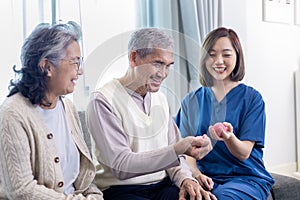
x=221 y=131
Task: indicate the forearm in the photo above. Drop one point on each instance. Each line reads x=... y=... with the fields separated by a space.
x=239 y=149
x=180 y=173
x=193 y=166
x=130 y=164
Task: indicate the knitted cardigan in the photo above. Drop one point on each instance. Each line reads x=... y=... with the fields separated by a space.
x=29 y=162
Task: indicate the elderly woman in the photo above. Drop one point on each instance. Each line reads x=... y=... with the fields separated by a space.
x=42 y=152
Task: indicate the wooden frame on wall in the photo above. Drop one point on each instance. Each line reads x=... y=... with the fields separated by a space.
x=278 y=11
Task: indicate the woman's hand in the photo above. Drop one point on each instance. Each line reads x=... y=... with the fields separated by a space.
x=205 y=181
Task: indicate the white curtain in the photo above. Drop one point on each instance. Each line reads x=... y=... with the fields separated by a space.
x=188 y=21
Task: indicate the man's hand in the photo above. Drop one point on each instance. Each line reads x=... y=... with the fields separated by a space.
x=194 y=191
x=196 y=147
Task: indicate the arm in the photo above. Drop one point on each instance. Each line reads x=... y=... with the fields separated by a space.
x=188 y=167
x=240 y=149
x=16 y=150
x=110 y=139
x=182 y=175
x=251 y=130
x=203 y=180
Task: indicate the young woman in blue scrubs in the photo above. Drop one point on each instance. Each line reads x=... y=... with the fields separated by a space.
x=234 y=169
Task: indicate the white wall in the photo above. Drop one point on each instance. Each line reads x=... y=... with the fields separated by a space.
x=272 y=56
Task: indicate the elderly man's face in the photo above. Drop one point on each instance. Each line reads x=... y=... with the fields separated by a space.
x=152 y=70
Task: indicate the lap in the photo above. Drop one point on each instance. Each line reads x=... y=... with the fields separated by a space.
x=239 y=189
x=164 y=190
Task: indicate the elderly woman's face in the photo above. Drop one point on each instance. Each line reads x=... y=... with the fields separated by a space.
x=64 y=76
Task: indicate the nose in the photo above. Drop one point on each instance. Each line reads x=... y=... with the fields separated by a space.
x=163 y=72
x=80 y=71
x=219 y=59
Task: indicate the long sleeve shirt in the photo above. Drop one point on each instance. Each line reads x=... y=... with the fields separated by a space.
x=116 y=154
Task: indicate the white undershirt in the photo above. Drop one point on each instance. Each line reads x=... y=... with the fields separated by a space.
x=68 y=153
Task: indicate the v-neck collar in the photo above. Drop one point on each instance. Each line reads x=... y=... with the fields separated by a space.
x=227 y=97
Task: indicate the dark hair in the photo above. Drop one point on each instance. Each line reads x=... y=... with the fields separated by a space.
x=239 y=71
x=145 y=40
x=45 y=41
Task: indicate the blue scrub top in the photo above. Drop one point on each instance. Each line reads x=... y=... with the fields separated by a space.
x=244 y=108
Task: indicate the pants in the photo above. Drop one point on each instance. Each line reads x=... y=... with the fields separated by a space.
x=239 y=189
x=164 y=190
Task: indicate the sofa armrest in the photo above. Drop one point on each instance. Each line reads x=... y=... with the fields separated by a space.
x=285 y=187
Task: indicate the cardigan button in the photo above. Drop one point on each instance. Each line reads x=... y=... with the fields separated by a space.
x=56 y=159
x=60 y=184
x=50 y=136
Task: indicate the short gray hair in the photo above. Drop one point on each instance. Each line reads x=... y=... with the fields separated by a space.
x=145 y=40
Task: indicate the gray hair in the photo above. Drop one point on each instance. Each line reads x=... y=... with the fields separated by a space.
x=45 y=41
x=145 y=40
x=49 y=41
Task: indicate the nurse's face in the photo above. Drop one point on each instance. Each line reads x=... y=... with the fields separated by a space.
x=222 y=60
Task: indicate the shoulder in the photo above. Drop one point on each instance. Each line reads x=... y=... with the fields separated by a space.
x=195 y=94
x=251 y=92
x=17 y=104
x=17 y=110
x=249 y=95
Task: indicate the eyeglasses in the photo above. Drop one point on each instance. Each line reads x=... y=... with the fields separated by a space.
x=75 y=61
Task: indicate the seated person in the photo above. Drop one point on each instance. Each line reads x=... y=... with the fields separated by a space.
x=137 y=142
x=42 y=152
x=235 y=164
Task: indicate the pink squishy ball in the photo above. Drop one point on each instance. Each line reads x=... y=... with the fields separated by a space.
x=218 y=127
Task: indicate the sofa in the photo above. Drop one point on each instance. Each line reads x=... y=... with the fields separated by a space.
x=285 y=187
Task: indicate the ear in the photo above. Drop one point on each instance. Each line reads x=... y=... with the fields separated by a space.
x=133 y=59
x=45 y=66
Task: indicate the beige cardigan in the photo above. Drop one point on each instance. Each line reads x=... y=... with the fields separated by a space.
x=29 y=163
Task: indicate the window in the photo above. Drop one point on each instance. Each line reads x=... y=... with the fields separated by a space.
x=101 y=21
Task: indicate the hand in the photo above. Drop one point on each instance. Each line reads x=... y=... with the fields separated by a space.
x=225 y=134
x=194 y=191
x=205 y=182
x=196 y=147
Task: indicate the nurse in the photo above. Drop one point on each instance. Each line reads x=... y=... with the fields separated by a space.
x=234 y=169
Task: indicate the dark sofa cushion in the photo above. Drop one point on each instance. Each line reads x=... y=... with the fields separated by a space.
x=285 y=187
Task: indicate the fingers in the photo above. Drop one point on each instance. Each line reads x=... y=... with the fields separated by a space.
x=196 y=147
x=182 y=193
x=191 y=192
x=213 y=133
x=199 y=153
x=205 y=181
x=191 y=188
x=194 y=190
x=200 y=141
x=207 y=195
x=208 y=183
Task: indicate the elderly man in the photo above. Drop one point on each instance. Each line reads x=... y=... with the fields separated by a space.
x=137 y=142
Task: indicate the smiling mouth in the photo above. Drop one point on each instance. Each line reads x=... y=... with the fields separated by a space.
x=219 y=69
x=74 y=81
x=156 y=81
